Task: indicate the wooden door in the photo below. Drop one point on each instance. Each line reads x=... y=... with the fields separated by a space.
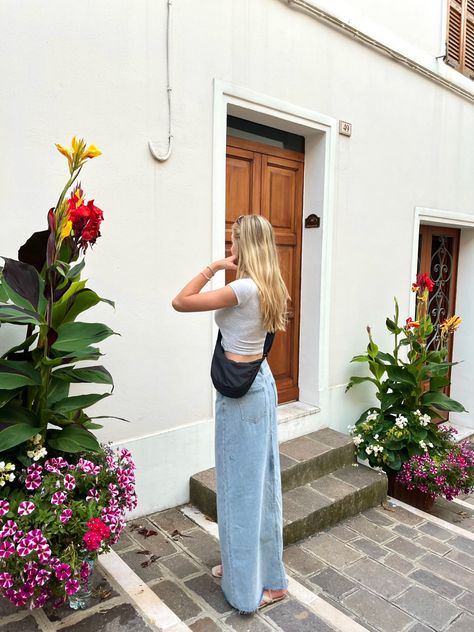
x=265 y=180
x=438 y=250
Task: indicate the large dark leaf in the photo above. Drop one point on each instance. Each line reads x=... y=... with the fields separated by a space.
x=23 y=346
x=75 y=336
x=77 y=402
x=440 y=400
x=24 y=281
x=33 y=250
x=16 y=434
x=58 y=390
x=7 y=395
x=14 y=374
x=18 y=316
x=15 y=413
x=92 y=374
x=73 y=439
x=400 y=374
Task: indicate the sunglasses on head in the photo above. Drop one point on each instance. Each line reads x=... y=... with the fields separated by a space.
x=239 y=219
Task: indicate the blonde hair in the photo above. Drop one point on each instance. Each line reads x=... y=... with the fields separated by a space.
x=258 y=259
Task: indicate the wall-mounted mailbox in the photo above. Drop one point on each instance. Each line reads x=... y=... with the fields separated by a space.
x=312 y=221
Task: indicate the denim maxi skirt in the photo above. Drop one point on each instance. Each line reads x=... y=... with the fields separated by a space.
x=249 y=498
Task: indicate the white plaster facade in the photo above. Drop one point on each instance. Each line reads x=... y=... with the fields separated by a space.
x=98 y=69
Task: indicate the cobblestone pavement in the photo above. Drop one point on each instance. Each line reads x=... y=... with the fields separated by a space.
x=387 y=568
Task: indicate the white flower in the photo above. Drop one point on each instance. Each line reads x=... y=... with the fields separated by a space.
x=31 y=454
x=368 y=450
x=371 y=415
x=423 y=445
x=425 y=420
x=2 y=482
x=36 y=439
x=11 y=477
x=430 y=444
x=2 y=465
x=358 y=439
x=401 y=421
x=376 y=436
x=417 y=412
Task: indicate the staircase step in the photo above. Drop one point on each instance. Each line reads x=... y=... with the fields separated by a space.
x=329 y=499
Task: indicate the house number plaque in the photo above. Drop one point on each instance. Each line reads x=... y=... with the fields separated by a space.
x=345 y=128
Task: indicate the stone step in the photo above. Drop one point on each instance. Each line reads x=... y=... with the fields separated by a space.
x=329 y=499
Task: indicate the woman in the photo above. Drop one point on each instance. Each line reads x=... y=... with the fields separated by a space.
x=249 y=502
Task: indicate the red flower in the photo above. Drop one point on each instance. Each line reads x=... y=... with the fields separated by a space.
x=412 y=323
x=92 y=540
x=97 y=526
x=85 y=218
x=423 y=282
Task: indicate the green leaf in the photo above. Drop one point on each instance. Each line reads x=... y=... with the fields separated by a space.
x=400 y=374
x=360 y=358
x=78 y=402
x=440 y=400
x=58 y=390
x=18 y=315
x=73 y=439
x=76 y=335
x=3 y=292
x=438 y=382
x=16 y=434
x=8 y=395
x=355 y=379
x=386 y=357
x=372 y=349
x=15 y=413
x=90 y=374
x=392 y=327
x=15 y=373
x=110 y=417
x=377 y=369
x=23 y=346
x=390 y=399
x=76 y=270
x=23 y=284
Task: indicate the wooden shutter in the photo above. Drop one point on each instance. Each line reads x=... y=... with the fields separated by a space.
x=460 y=36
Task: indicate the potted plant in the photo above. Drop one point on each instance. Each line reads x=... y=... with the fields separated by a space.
x=409 y=387
x=63 y=495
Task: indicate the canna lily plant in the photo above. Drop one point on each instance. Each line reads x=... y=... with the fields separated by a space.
x=42 y=293
x=409 y=386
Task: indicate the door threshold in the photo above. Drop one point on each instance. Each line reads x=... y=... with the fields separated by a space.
x=293 y=410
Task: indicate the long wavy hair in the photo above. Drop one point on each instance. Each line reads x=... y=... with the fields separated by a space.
x=254 y=241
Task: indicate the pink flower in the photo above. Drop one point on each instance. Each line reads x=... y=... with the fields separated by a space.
x=17 y=536
x=62 y=571
x=88 y=467
x=25 y=508
x=69 y=482
x=113 y=489
x=33 y=481
x=72 y=586
x=6 y=580
x=44 y=555
x=93 y=494
x=4 y=507
x=6 y=549
x=41 y=599
x=84 y=570
x=58 y=498
x=65 y=516
x=24 y=547
x=8 y=529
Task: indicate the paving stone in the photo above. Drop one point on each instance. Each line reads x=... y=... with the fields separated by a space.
x=400 y=514
x=125 y=542
x=242 y=623
x=172 y=519
x=180 y=565
x=333 y=583
x=466 y=601
x=205 y=625
x=332 y=487
x=463 y=544
x=376 y=611
x=6 y=607
x=122 y=617
x=210 y=591
x=407 y=532
x=427 y=606
x=135 y=560
x=359 y=475
x=157 y=544
x=433 y=545
x=448 y=570
x=308 y=498
x=27 y=624
x=293 y=616
x=302 y=448
x=331 y=550
x=437 y=532
x=365 y=527
x=398 y=563
x=292 y=511
x=331 y=437
x=176 y=599
x=436 y=583
x=343 y=533
x=300 y=560
x=405 y=547
x=351 y=615
x=370 y=548
x=377 y=577
x=204 y=547
x=379 y=516
x=464 y=623
x=462 y=558
x=419 y=627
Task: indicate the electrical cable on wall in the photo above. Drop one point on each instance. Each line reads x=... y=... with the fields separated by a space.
x=152 y=144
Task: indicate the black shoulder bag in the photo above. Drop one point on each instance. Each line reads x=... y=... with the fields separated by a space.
x=233 y=379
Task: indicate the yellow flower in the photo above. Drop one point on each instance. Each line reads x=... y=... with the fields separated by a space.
x=92 y=152
x=66 y=230
x=77 y=153
x=64 y=151
x=451 y=324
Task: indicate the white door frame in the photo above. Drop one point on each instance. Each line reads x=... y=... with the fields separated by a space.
x=321 y=131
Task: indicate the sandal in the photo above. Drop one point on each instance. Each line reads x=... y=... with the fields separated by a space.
x=217 y=571
x=268 y=599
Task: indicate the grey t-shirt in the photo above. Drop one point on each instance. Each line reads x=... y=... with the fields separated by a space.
x=241 y=324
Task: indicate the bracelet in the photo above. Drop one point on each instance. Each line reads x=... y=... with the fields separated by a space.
x=212 y=271
x=205 y=275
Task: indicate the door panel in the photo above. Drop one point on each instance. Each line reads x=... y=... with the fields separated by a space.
x=266 y=180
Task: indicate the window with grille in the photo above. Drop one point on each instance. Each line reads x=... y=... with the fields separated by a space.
x=460 y=36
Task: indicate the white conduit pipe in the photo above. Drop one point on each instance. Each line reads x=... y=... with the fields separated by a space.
x=152 y=144
x=321 y=14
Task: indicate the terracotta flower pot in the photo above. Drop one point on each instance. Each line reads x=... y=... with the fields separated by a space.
x=414 y=497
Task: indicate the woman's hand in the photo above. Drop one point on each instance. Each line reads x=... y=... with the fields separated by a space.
x=229 y=263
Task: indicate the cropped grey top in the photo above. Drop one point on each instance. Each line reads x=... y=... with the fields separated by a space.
x=241 y=324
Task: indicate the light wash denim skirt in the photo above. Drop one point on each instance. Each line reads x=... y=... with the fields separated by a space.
x=249 y=498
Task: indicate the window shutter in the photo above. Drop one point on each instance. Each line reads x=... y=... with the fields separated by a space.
x=454 y=43
x=460 y=36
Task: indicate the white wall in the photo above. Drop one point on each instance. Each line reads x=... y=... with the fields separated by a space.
x=97 y=68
